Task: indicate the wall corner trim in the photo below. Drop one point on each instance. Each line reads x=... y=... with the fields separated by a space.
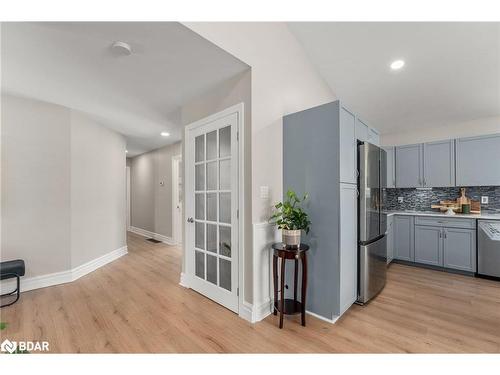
x=331 y=321
x=63 y=277
x=184 y=281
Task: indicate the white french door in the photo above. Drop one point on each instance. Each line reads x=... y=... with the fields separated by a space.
x=212 y=204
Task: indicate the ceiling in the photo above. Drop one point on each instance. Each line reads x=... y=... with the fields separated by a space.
x=140 y=95
x=452 y=71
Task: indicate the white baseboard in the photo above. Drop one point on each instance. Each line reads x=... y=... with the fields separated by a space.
x=246 y=312
x=332 y=321
x=43 y=281
x=184 y=280
x=94 y=264
x=262 y=311
x=156 y=236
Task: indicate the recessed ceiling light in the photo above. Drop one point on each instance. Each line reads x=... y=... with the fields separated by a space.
x=126 y=151
x=165 y=134
x=398 y=64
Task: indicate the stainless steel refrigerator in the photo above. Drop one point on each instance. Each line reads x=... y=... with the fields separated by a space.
x=372 y=222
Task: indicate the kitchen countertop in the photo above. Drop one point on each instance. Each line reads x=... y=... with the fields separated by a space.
x=483 y=215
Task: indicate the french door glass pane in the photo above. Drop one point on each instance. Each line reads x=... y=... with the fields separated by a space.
x=213 y=245
x=212 y=269
x=199 y=264
x=212 y=238
x=225 y=141
x=212 y=206
x=212 y=175
x=225 y=274
x=225 y=208
x=212 y=145
x=225 y=241
x=199 y=148
x=199 y=204
x=225 y=175
x=199 y=236
x=199 y=177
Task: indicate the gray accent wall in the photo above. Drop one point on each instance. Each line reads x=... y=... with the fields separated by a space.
x=151 y=203
x=421 y=200
x=63 y=187
x=311 y=164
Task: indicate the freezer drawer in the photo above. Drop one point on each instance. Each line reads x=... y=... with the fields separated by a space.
x=372 y=269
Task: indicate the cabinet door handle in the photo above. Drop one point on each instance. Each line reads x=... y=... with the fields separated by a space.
x=444 y=233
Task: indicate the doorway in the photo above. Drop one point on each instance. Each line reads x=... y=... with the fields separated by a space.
x=213 y=227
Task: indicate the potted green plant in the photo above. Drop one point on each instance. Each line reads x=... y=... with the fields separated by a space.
x=291 y=218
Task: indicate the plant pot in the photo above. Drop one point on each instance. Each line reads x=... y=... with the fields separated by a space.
x=291 y=238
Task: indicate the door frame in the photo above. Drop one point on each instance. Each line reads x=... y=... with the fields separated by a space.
x=127 y=177
x=239 y=110
x=177 y=219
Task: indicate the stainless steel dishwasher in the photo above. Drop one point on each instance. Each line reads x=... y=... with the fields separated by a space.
x=488 y=248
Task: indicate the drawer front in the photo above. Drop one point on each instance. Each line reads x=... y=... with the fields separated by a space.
x=446 y=222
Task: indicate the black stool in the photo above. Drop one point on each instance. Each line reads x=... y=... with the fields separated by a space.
x=9 y=270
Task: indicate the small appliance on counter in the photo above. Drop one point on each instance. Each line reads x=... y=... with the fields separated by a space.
x=488 y=248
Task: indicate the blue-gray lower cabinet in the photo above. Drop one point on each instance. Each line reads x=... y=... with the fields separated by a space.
x=429 y=245
x=459 y=249
x=404 y=238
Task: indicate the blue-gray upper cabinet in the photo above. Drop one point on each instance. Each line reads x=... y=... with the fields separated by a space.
x=404 y=237
x=409 y=166
x=361 y=130
x=348 y=148
x=439 y=164
x=478 y=161
x=391 y=167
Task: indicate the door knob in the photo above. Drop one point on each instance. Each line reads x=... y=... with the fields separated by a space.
x=190 y=220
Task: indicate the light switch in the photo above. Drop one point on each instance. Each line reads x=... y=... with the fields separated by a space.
x=264 y=192
x=484 y=200
x=400 y=199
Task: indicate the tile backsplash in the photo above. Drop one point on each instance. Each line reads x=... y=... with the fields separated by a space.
x=421 y=200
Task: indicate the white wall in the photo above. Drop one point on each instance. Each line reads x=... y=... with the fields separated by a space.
x=36 y=185
x=98 y=216
x=63 y=187
x=483 y=126
x=151 y=203
x=283 y=81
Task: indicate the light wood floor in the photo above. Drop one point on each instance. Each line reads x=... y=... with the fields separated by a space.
x=136 y=305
